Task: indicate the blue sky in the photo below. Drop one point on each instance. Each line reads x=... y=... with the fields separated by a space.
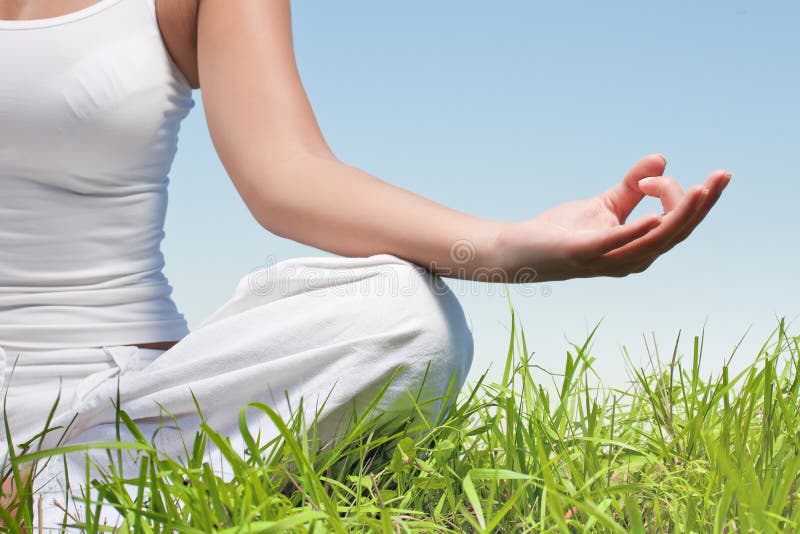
x=504 y=109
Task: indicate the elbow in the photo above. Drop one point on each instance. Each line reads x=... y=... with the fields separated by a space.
x=276 y=222
x=271 y=207
x=281 y=197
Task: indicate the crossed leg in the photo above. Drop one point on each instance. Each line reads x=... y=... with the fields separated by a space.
x=315 y=330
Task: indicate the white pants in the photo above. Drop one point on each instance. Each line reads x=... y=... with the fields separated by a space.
x=329 y=331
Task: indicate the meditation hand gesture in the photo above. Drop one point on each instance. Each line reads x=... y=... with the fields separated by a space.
x=590 y=237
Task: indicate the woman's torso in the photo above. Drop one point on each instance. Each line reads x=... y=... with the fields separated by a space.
x=177 y=20
x=90 y=106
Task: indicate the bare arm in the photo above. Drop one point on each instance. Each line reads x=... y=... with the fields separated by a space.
x=268 y=139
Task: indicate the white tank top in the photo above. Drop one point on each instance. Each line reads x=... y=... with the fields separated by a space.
x=90 y=108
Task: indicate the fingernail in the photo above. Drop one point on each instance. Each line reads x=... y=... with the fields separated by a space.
x=728 y=175
x=662 y=156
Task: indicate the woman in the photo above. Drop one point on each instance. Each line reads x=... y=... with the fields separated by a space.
x=92 y=98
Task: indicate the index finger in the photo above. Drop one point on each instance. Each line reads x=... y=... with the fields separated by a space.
x=625 y=195
x=672 y=224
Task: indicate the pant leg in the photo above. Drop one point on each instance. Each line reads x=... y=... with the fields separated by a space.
x=330 y=330
x=36 y=382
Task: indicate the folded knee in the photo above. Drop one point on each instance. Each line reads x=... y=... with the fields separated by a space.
x=425 y=308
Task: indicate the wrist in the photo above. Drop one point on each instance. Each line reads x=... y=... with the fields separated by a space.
x=490 y=263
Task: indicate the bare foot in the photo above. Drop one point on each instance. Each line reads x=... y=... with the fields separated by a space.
x=9 y=495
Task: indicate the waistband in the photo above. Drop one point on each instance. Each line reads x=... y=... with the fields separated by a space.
x=95 y=364
x=33 y=337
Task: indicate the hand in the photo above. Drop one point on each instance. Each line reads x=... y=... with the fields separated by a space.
x=590 y=237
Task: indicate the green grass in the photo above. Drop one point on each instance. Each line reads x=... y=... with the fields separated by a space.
x=674 y=451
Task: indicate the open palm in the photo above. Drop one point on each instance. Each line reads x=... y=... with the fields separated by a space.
x=591 y=237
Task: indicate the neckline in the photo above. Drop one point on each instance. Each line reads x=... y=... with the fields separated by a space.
x=23 y=24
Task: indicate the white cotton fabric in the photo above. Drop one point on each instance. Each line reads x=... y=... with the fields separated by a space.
x=90 y=109
x=317 y=329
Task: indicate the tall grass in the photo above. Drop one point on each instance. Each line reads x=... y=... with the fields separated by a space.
x=674 y=451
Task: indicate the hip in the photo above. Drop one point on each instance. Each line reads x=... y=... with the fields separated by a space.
x=38 y=382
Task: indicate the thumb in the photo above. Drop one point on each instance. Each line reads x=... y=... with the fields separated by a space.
x=624 y=196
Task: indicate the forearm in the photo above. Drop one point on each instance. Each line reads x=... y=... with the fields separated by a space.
x=342 y=209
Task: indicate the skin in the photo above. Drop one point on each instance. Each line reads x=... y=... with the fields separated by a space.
x=268 y=139
x=241 y=53
x=270 y=144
